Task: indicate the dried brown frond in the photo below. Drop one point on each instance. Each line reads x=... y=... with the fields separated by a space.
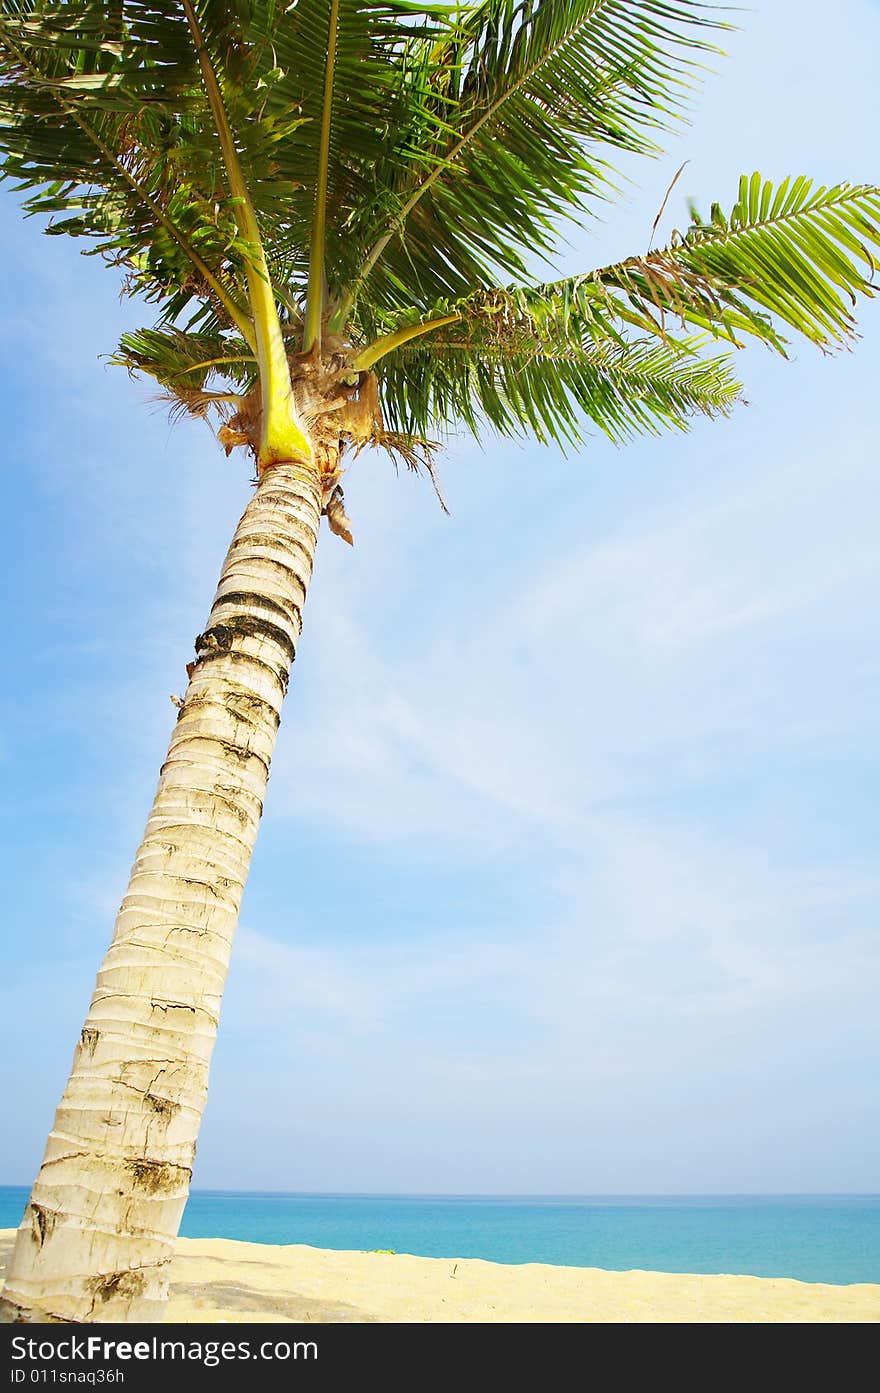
x=243 y=426
x=337 y=518
x=192 y=401
x=417 y=454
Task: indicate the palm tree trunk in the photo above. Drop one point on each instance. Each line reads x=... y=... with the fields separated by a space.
x=98 y=1234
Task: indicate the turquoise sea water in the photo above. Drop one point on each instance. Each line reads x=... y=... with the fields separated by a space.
x=816 y=1238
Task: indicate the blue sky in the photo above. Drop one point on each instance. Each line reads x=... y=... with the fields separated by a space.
x=568 y=878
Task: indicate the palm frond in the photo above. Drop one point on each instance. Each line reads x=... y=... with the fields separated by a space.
x=93 y=116
x=534 y=95
x=793 y=256
x=346 y=134
x=315 y=291
x=553 y=391
x=184 y=361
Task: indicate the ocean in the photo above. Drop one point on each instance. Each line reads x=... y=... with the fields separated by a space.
x=815 y=1238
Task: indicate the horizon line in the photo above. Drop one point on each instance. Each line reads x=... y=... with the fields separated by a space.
x=523 y=1194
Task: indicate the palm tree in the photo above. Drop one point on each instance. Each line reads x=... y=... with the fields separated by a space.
x=336 y=207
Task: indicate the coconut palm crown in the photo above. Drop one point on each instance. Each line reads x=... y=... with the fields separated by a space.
x=336 y=204
x=336 y=208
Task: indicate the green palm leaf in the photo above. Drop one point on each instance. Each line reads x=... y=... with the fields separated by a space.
x=134 y=171
x=534 y=96
x=790 y=257
x=374 y=92
x=553 y=390
x=793 y=255
x=186 y=360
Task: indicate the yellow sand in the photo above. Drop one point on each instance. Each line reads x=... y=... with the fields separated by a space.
x=215 y=1279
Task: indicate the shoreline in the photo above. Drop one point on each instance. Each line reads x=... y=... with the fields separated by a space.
x=223 y=1280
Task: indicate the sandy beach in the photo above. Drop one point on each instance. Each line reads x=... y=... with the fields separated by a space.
x=219 y=1280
